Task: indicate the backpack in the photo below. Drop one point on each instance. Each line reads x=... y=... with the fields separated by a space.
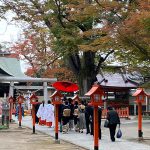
x=76 y=112
x=66 y=112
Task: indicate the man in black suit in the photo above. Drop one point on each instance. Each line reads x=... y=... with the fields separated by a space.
x=113 y=118
x=99 y=121
x=88 y=117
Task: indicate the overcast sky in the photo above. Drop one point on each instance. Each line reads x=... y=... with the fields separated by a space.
x=10 y=33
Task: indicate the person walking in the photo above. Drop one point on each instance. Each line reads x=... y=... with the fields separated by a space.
x=81 y=117
x=99 y=121
x=88 y=117
x=71 y=119
x=76 y=119
x=41 y=114
x=50 y=114
x=65 y=117
x=113 y=118
x=17 y=111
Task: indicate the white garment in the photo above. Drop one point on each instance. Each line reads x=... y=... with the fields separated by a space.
x=50 y=113
x=41 y=113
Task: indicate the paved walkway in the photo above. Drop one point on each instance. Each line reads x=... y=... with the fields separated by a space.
x=86 y=141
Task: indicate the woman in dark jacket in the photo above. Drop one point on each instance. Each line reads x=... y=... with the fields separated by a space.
x=113 y=119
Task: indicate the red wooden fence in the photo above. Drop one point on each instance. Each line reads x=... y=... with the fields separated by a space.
x=123 y=112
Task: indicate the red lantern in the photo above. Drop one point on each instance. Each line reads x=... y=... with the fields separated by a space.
x=56 y=97
x=96 y=93
x=20 y=99
x=33 y=99
x=140 y=95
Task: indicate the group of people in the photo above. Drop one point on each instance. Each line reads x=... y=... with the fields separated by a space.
x=73 y=115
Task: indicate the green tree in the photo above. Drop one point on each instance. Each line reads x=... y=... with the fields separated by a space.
x=83 y=32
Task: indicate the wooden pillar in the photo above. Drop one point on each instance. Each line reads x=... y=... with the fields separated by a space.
x=45 y=92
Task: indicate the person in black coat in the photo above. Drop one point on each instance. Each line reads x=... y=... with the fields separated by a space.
x=60 y=116
x=71 y=119
x=99 y=122
x=113 y=118
x=76 y=113
x=66 y=111
x=88 y=117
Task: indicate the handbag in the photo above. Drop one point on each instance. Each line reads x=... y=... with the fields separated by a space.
x=119 y=133
x=106 y=123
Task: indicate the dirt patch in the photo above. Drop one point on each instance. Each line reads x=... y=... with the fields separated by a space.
x=15 y=138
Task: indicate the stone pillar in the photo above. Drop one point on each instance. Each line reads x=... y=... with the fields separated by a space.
x=45 y=92
x=11 y=89
x=135 y=109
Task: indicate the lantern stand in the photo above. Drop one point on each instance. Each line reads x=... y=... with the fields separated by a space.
x=33 y=99
x=10 y=100
x=96 y=94
x=56 y=100
x=140 y=97
x=20 y=100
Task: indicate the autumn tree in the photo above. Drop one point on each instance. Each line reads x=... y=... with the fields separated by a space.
x=35 y=48
x=133 y=37
x=83 y=32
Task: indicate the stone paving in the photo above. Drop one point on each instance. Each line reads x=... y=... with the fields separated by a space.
x=86 y=141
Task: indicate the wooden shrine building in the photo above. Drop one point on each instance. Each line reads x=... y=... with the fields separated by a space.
x=118 y=88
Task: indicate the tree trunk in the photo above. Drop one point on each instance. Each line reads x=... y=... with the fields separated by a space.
x=85 y=71
x=85 y=83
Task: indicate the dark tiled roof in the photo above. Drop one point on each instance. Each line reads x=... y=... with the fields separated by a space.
x=115 y=80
